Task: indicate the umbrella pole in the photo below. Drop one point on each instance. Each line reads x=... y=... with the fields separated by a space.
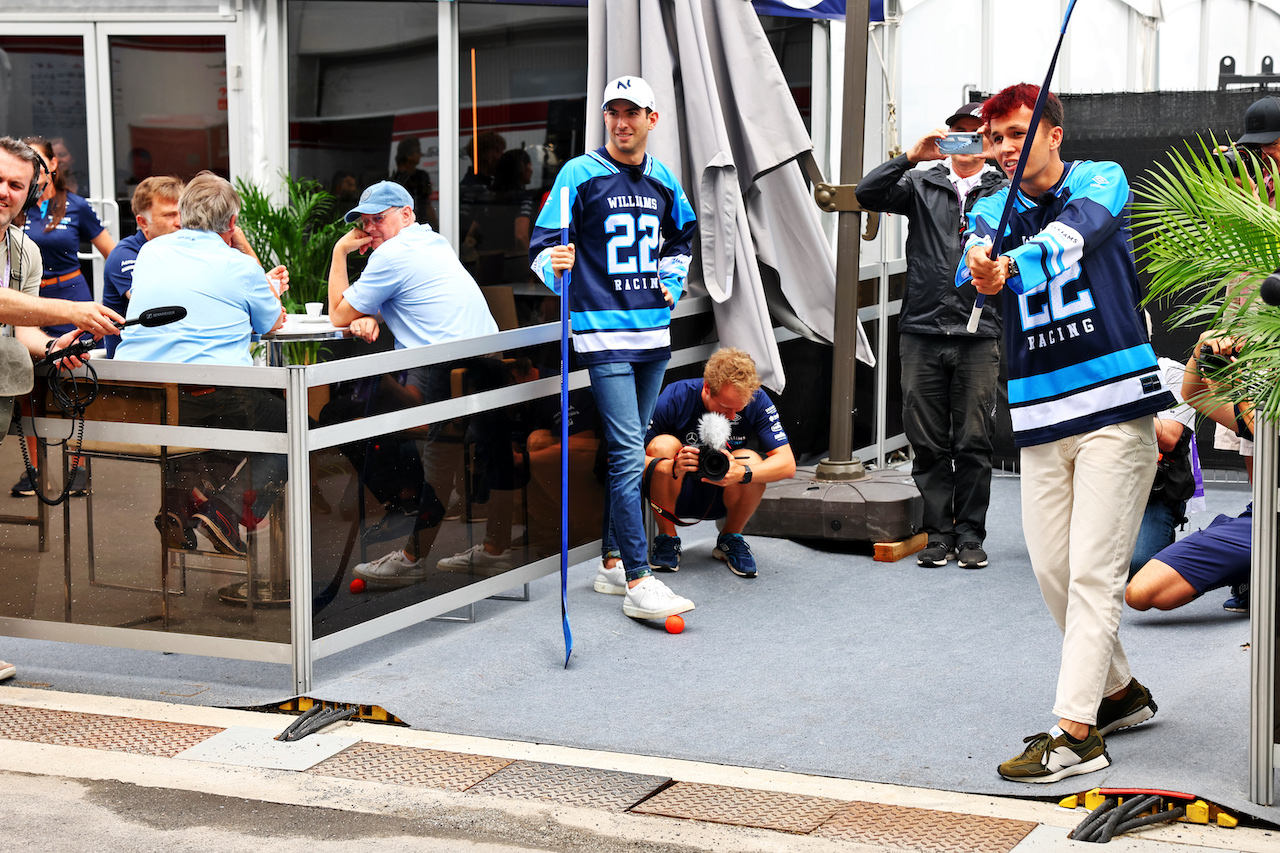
x=841 y=464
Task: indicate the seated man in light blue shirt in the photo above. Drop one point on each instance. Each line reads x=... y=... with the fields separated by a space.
x=425 y=296
x=228 y=297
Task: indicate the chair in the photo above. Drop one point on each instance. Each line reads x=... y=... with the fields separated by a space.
x=40 y=521
x=148 y=403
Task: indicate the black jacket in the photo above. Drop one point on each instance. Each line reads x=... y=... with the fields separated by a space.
x=932 y=305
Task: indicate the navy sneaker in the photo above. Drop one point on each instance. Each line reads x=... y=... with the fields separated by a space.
x=735 y=551
x=177 y=535
x=1239 y=600
x=222 y=527
x=79 y=483
x=24 y=488
x=665 y=556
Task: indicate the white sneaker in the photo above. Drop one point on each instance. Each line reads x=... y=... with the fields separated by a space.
x=7 y=670
x=611 y=581
x=477 y=560
x=394 y=569
x=652 y=599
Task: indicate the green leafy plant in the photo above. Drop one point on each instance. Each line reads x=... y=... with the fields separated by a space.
x=300 y=234
x=1208 y=235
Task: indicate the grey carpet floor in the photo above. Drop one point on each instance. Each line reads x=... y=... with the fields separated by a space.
x=828 y=663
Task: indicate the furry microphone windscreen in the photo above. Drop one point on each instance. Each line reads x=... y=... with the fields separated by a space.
x=714 y=430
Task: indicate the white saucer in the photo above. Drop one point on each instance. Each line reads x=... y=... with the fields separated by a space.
x=307 y=318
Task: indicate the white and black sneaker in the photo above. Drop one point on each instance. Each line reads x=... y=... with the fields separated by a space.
x=972 y=556
x=936 y=555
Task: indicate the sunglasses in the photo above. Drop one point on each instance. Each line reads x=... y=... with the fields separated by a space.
x=376 y=219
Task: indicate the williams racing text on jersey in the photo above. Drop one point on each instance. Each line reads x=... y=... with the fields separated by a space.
x=632 y=227
x=1076 y=342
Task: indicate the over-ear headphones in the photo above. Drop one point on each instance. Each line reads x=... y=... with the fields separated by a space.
x=35 y=190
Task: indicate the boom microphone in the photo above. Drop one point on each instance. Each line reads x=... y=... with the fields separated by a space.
x=1270 y=289
x=157 y=317
x=150 y=317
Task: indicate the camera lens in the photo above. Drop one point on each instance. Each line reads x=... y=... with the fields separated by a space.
x=712 y=464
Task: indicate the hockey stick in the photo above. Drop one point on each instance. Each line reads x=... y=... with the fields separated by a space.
x=564 y=278
x=1032 y=130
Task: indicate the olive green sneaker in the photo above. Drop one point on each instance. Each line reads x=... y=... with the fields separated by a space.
x=1134 y=707
x=1051 y=756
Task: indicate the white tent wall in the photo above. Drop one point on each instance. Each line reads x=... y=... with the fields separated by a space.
x=944 y=47
x=1111 y=46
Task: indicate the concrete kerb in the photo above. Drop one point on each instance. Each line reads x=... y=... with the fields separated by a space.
x=304 y=789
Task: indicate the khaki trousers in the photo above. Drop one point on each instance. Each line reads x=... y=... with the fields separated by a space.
x=1082 y=504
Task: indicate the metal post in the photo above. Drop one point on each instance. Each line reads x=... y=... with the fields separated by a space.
x=298 y=518
x=1262 y=602
x=447 y=74
x=841 y=465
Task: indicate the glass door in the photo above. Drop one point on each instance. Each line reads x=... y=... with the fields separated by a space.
x=167 y=103
x=47 y=86
x=119 y=102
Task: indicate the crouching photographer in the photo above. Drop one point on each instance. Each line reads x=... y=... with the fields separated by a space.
x=694 y=419
x=1219 y=554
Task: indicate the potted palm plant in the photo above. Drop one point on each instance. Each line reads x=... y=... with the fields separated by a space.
x=300 y=234
x=1208 y=233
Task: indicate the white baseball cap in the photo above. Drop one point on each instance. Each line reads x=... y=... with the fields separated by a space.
x=632 y=89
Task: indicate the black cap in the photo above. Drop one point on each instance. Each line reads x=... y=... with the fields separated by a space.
x=1262 y=122
x=973 y=109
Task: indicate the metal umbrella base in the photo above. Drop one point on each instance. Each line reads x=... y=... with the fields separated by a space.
x=882 y=506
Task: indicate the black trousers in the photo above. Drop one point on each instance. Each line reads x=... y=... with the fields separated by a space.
x=948 y=410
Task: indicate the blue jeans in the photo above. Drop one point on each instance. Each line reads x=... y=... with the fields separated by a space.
x=1158 y=531
x=625 y=396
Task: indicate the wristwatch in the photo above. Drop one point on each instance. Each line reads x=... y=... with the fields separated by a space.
x=1013 y=267
x=746 y=476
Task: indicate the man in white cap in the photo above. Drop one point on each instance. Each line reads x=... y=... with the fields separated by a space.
x=425 y=296
x=636 y=228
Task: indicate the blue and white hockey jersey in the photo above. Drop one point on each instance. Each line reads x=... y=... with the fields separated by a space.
x=633 y=228
x=1076 y=342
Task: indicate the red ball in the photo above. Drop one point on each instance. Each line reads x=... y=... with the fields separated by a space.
x=357 y=585
x=674 y=624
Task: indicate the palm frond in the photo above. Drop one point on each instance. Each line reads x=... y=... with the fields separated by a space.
x=1208 y=236
x=299 y=234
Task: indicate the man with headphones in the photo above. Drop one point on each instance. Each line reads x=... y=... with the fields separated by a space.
x=22 y=310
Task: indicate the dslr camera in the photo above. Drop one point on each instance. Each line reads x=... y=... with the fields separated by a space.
x=713 y=434
x=712 y=464
x=1211 y=362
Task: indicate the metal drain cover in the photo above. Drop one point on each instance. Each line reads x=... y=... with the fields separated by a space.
x=796 y=813
x=577 y=786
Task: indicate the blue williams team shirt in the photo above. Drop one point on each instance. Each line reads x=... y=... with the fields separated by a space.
x=422 y=290
x=633 y=228
x=60 y=247
x=225 y=292
x=680 y=407
x=117 y=280
x=1075 y=339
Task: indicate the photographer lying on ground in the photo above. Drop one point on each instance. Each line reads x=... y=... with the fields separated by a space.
x=729 y=387
x=1218 y=555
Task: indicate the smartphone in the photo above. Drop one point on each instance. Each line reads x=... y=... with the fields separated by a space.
x=961 y=143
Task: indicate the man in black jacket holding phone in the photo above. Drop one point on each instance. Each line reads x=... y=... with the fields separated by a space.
x=948 y=375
